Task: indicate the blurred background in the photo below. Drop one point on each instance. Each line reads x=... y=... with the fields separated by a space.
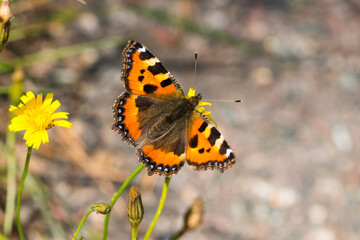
x=295 y=64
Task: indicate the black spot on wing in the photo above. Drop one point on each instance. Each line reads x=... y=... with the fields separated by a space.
x=141 y=78
x=224 y=147
x=203 y=126
x=208 y=150
x=201 y=150
x=157 y=68
x=138 y=45
x=193 y=141
x=143 y=103
x=166 y=82
x=149 y=88
x=146 y=55
x=214 y=135
x=142 y=71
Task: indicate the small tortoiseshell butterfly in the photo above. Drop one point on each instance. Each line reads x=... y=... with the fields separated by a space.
x=170 y=127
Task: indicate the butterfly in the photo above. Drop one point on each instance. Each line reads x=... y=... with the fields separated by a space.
x=168 y=127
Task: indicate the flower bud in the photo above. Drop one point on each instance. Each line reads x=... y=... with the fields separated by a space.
x=192 y=219
x=102 y=208
x=135 y=209
x=5 y=15
x=194 y=215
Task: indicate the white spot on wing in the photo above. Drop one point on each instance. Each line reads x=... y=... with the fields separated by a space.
x=152 y=61
x=228 y=152
x=219 y=141
x=143 y=49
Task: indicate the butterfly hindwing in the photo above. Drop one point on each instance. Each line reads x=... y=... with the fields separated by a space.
x=162 y=162
x=206 y=146
x=144 y=74
x=165 y=154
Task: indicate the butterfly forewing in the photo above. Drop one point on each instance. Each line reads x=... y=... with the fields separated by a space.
x=126 y=118
x=144 y=74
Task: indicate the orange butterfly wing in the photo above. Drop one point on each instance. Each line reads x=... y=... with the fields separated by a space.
x=126 y=118
x=165 y=162
x=206 y=146
x=143 y=73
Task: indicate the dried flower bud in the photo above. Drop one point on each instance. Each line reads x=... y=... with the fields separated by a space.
x=135 y=209
x=5 y=15
x=193 y=218
x=102 y=208
x=194 y=215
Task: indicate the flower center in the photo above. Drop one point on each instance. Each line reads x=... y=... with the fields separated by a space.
x=40 y=118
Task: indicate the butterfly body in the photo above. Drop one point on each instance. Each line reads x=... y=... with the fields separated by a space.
x=154 y=113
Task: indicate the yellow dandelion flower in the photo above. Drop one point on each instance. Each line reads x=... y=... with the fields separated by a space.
x=199 y=107
x=36 y=117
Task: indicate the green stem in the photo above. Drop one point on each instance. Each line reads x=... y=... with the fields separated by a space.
x=18 y=201
x=81 y=222
x=14 y=93
x=117 y=195
x=11 y=182
x=160 y=208
x=134 y=232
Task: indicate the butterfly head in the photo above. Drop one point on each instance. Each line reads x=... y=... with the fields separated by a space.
x=196 y=99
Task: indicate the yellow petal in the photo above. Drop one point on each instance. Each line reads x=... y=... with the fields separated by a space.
x=191 y=93
x=19 y=123
x=36 y=142
x=55 y=105
x=29 y=136
x=15 y=110
x=48 y=99
x=12 y=108
x=44 y=136
x=204 y=104
x=62 y=123
x=34 y=138
x=15 y=127
x=39 y=99
x=200 y=109
x=27 y=97
x=207 y=113
x=59 y=115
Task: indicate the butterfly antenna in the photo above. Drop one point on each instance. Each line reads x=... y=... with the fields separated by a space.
x=210 y=100
x=227 y=101
x=195 y=83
